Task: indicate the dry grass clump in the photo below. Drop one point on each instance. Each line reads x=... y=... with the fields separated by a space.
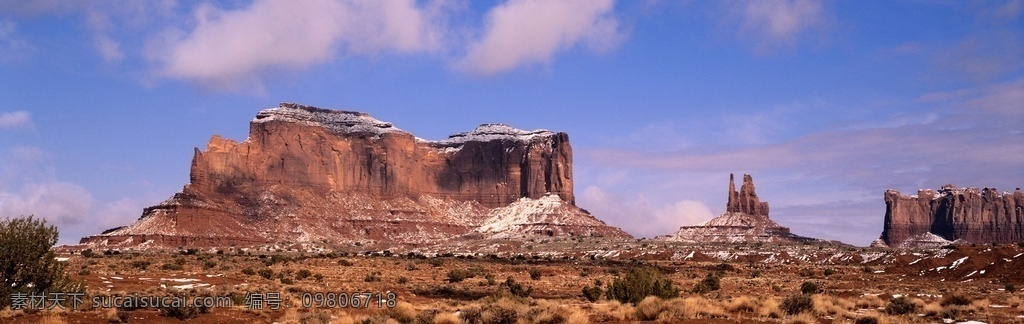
x=551 y=312
x=931 y=309
x=769 y=308
x=742 y=304
x=317 y=317
x=654 y=308
x=980 y=305
x=613 y=311
x=829 y=305
x=403 y=312
x=802 y=318
x=53 y=318
x=869 y=301
x=1016 y=302
x=502 y=310
x=447 y=318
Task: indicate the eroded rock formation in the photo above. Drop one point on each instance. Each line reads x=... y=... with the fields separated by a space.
x=309 y=174
x=966 y=214
x=745 y=220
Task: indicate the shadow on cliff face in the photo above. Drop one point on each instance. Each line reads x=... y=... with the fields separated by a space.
x=493 y=173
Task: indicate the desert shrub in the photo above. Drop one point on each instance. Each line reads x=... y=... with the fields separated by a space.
x=209 y=264
x=27 y=264
x=344 y=262
x=472 y=315
x=88 y=253
x=899 y=306
x=183 y=312
x=171 y=266
x=797 y=304
x=458 y=275
x=373 y=276
x=954 y=312
x=502 y=311
x=516 y=289
x=140 y=264
x=806 y=272
x=592 y=293
x=535 y=273
x=266 y=273
x=866 y=320
x=317 y=317
x=867 y=269
x=426 y=316
x=287 y=281
x=403 y=280
x=437 y=262
x=829 y=272
x=639 y=283
x=248 y=271
x=84 y=272
x=955 y=299
x=710 y=283
x=1010 y=288
x=303 y=274
x=809 y=287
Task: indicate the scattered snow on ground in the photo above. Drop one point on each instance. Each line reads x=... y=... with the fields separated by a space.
x=957 y=263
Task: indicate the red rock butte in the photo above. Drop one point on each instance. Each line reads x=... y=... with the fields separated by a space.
x=309 y=174
x=745 y=220
x=953 y=214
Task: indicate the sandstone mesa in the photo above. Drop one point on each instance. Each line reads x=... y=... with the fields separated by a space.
x=308 y=174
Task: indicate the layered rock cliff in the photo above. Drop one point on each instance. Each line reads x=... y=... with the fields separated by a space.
x=306 y=173
x=745 y=220
x=965 y=214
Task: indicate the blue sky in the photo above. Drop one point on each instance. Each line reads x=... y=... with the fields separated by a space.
x=826 y=104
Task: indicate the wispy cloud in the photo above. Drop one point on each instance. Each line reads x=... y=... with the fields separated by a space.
x=637 y=215
x=28 y=186
x=774 y=24
x=19 y=119
x=13 y=47
x=235 y=49
x=527 y=32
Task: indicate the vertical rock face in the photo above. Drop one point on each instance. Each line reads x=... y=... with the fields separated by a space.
x=967 y=214
x=307 y=173
x=745 y=201
x=745 y=220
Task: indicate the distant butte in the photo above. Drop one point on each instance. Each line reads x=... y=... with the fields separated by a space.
x=745 y=220
x=308 y=174
x=952 y=214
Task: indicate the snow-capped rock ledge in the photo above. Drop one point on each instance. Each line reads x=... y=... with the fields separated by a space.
x=494 y=132
x=339 y=121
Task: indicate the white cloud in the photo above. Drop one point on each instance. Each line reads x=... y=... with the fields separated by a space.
x=525 y=32
x=776 y=23
x=16 y=119
x=110 y=50
x=636 y=215
x=232 y=49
